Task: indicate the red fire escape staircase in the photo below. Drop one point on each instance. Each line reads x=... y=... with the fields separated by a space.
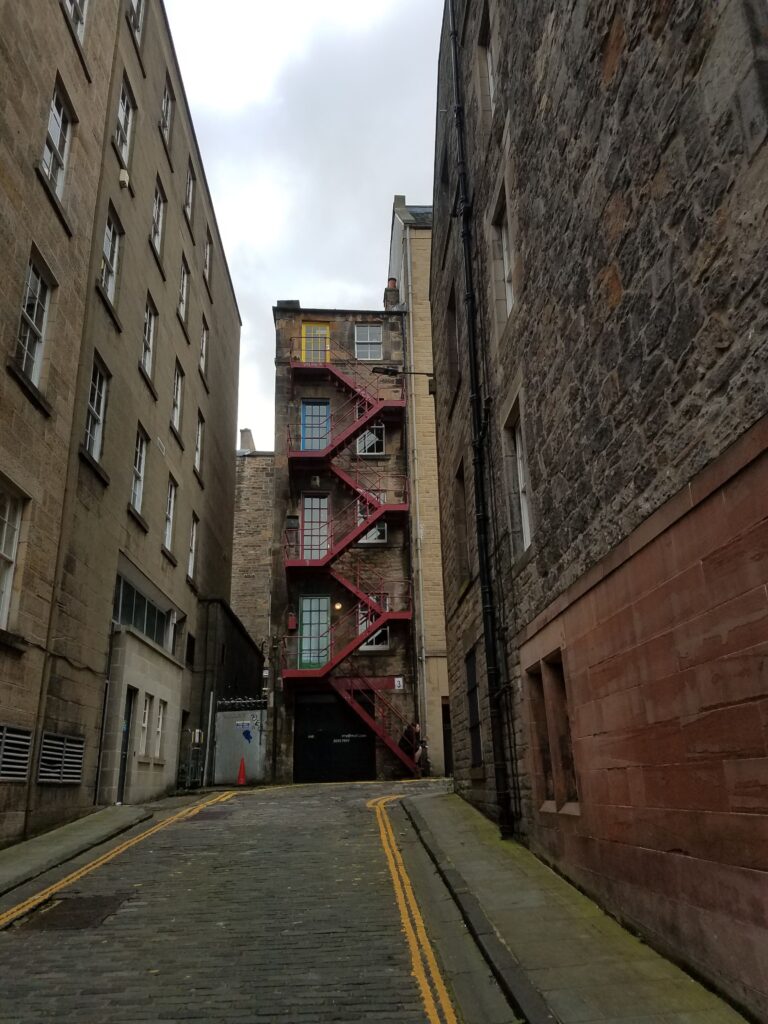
x=386 y=721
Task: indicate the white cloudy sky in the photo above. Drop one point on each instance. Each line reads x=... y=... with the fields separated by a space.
x=310 y=116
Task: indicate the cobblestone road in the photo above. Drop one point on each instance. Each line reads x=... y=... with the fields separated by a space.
x=276 y=906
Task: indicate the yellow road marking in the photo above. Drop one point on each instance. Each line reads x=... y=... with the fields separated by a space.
x=413 y=924
x=9 y=916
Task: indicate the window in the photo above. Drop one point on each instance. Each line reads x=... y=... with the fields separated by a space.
x=315 y=343
x=189 y=655
x=61 y=759
x=553 y=747
x=315 y=424
x=371 y=441
x=378 y=641
x=191 y=556
x=368 y=341
x=315 y=528
x=460 y=527
x=184 y=290
x=148 y=337
x=132 y=608
x=314 y=631
x=473 y=711
x=34 y=315
x=517 y=482
x=10 y=524
x=76 y=9
x=170 y=510
x=94 y=419
x=57 y=139
x=189 y=193
x=110 y=256
x=158 y=217
x=452 y=343
x=178 y=395
x=161 y=710
x=204 y=346
x=199 y=441
x=378 y=532
x=487 y=58
x=207 y=252
x=146 y=713
x=139 y=464
x=123 y=129
x=166 y=111
x=136 y=16
x=502 y=252
x=15 y=753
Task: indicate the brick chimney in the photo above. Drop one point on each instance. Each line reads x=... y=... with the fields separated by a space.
x=391 y=294
x=246 y=441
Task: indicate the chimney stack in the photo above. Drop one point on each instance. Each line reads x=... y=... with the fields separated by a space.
x=246 y=441
x=391 y=294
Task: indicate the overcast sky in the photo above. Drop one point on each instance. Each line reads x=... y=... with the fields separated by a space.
x=310 y=117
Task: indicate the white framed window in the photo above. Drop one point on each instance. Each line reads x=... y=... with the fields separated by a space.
x=76 y=9
x=158 y=217
x=522 y=485
x=192 y=554
x=204 y=346
x=110 y=256
x=378 y=641
x=178 y=396
x=207 y=256
x=503 y=253
x=184 y=290
x=97 y=404
x=378 y=532
x=148 y=337
x=487 y=54
x=189 y=192
x=162 y=707
x=34 y=317
x=199 y=435
x=57 y=139
x=146 y=714
x=139 y=469
x=136 y=17
x=368 y=341
x=126 y=105
x=372 y=440
x=170 y=511
x=166 y=111
x=10 y=525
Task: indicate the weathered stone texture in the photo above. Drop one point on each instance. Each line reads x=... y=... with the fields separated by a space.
x=252 y=553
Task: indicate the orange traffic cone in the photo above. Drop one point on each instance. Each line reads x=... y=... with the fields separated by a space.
x=241 y=773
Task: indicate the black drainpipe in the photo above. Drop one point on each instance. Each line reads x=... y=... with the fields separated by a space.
x=506 y=821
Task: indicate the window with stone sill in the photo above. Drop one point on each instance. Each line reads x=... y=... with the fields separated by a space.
x=110 y=255
x=207 y=256
x=460 y=537
x=10 y=527
x=184 y=290
x=95 y=414
x=32 y=325
x=158 y=217
x=136 y=17
x=132 y=608
x=77 y=10
x=199 y=435
x=148 y=337
x=170 y=512
x=516 y=480
x=167 y=105
x=554 y=768
x=487 y=48
x=192 y=553
x=160 y=725
x=126 y=108
x=57 y=141
x=189 y=193
x=378 y=532
x=146 y=713
x=502 y=253
x=368 y=344
x=378 y=641
x=139 y=468
x=178 y=396
x=473 y=711
x=204 y=346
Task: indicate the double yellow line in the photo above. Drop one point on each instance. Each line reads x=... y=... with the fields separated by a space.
x=434 y=994
x=45 y=894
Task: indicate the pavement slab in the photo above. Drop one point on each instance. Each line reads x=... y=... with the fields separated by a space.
x=551 y=939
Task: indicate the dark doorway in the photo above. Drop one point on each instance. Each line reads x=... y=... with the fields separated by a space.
x=330 y=743
x=130 y=701
x=447 y=737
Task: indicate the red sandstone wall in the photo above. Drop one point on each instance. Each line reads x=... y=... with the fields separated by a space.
x=666 y=665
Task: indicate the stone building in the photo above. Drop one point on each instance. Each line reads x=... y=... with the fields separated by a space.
x=341 y=593
x=120 y=331
x=599 y=303
x=252 y=552
x=409 y=254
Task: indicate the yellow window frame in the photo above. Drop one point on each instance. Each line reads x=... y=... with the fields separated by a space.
x=311 y=334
